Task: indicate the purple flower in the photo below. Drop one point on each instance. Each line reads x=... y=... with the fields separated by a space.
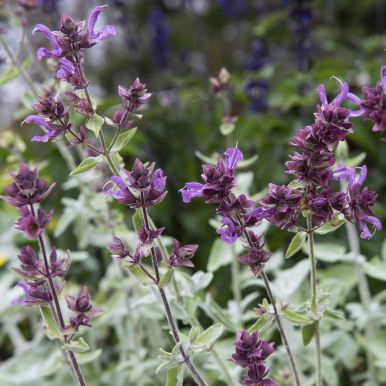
x=34 y=293
x=26 y=188
x=373 y=105
x=240 y=205
x=51 y=108
x=256 y=255
x=360 y=201
x=82 y=307
x=146 y=239
x=218 y=179
x=118 y=249
x=282 y=205
x=55 y=51
x=53 y=131
x=143 y=186
x=33 y=225
x=182 y=254
x=69 y=73
x=229 y=231
x=134 y=96
x=58 y=267
x=78 y=104
x=251 y=352
x=28 y=263
x=98 y=36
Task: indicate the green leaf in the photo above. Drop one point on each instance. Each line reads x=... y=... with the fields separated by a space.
x=123 y=139
x=258 y=325
x=247 y=162
x=137 y=220
x=295 y=317
x=138 y=274
x=194 y=332
x=296 y=243
x=220 y=255
x=52 y=329
x=205 y=158
x=171 y=379
x=117 y=160
x=87 y=357
x=210 y=335
x=78 y=345
x=165 y=279
x=331 y=226
x=9 y=74
x=331 y=314
x=376 y=268
x=86 y=164
x=308 y=333
x=355 y=161
x=227 y=128
x=95 y=124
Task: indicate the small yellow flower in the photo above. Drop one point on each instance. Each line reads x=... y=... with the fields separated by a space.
x=3 y=260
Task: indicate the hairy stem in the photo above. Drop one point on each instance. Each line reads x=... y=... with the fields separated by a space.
x=56 y=305
x=169 y=316
x=314 y=300
x=279 y=324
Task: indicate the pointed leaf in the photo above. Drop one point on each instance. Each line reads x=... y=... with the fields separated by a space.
x=308 y=333
x=123 y=139
x=165 y=279
x=52 y=329
x=95 y=124
x=296 y=243
x=210 y=335
x=78 y=345
x=295 y=317
x=86 y=164
x=171 y=379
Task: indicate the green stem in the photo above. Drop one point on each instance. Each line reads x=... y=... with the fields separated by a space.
x=314 y=300
x=364 y=295
x=236 y=284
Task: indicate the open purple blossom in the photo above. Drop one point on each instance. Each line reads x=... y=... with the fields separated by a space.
x=83 y=309
x=182 y=254
x=33 y=225
x=360 y=201
x=53 y=131
x=373 y=105
x=26 y=188
x=218 y=179
x=229 y=231
x=142 y=186
x=251 y=353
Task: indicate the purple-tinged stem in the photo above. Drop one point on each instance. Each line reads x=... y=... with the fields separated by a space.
x=279 y=324
x=58 y=310
x=172 y=324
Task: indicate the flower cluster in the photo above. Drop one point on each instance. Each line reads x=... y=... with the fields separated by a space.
x=373 y=105
x=238 y=212
x=251 y=353
x=67 y=46
x=40 y=274
x=82 y=308
x=312 y=165
x=141 y=187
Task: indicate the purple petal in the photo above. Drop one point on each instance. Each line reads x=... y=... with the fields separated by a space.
x=232 y=156
x=107 y=31
x=342 y=95
x=43 y=52
x=321 y=91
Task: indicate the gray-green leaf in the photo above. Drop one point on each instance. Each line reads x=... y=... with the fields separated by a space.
x=95 y=124
x=52 y=329
x=86 y=164
x=123 y=139
x=296 y=243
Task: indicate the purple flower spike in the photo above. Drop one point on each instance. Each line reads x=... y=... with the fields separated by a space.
x=118 y=249
x=108 y=30
x=34 y=294
x=251 y=353
x=56 y=51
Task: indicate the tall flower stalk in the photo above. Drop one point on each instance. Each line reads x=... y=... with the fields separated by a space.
x=41 y=283
x=239 y=216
